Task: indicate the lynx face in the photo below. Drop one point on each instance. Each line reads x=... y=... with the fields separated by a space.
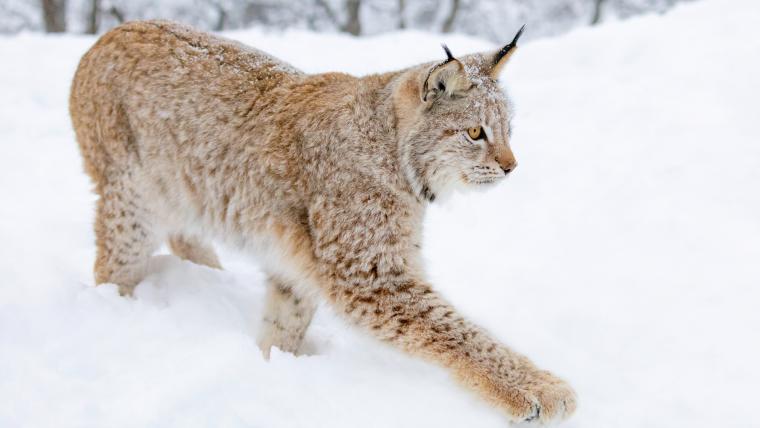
x=457 y=131
x=464 y=139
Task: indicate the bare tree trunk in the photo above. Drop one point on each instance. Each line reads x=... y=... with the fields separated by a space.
x=353 y=24
x=54 y=15
x=221 y=20
x=93 y=19
x=117 y=14
x=401 y=12
x=448 y=24
x=597 y=17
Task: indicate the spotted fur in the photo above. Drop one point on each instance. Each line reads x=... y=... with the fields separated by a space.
x=325 y=178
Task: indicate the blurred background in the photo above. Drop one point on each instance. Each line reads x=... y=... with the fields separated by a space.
x=494 y=20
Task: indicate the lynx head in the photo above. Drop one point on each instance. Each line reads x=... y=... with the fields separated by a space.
x=454 y=122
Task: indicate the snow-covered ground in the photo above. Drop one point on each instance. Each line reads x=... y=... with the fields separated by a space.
x=624 y=253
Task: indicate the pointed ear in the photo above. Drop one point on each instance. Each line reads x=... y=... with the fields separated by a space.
x=444 y=79
x=502 y=56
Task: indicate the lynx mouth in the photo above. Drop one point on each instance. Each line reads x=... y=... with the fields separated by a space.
x=482 y=181
x=481 y=176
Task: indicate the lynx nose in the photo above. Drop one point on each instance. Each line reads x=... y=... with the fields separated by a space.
x=506 y=161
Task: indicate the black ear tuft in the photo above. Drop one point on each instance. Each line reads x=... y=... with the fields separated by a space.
x=449 y=56
x=445 y=77
x=508 y=48
x=519 y=33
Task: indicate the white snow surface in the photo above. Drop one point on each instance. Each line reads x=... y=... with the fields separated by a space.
x=623 y=254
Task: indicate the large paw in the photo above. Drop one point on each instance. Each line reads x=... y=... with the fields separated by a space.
x=540 y=399
x=528 y=396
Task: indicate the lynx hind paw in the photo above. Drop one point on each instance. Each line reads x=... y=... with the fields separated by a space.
x=127 y=290
x=549 y=400
x=288 y=337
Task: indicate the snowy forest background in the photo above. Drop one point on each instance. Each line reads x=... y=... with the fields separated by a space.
x=490 y=19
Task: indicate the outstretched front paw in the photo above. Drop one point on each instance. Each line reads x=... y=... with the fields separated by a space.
x=539 y=399
x=529 y=397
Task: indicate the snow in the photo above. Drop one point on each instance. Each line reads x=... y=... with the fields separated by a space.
x=623 y=254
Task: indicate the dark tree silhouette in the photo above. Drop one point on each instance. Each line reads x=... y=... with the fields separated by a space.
x=597 y=16
x=54 y=15
x=448 y=24
x=93 y=17
x=353 y=23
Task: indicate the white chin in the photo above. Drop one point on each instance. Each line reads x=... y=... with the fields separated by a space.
x=445 y=192
x=444 y=188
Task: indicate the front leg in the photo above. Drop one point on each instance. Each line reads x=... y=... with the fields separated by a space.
x=365 y=248
x=412 y=317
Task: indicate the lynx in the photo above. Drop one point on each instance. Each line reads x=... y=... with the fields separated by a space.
x=325 y=178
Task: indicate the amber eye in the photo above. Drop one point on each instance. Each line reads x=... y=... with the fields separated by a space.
x=476 y=133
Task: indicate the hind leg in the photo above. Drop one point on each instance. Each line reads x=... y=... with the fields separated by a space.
x=286 y=317
x=191 y=248
x=125 y=237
